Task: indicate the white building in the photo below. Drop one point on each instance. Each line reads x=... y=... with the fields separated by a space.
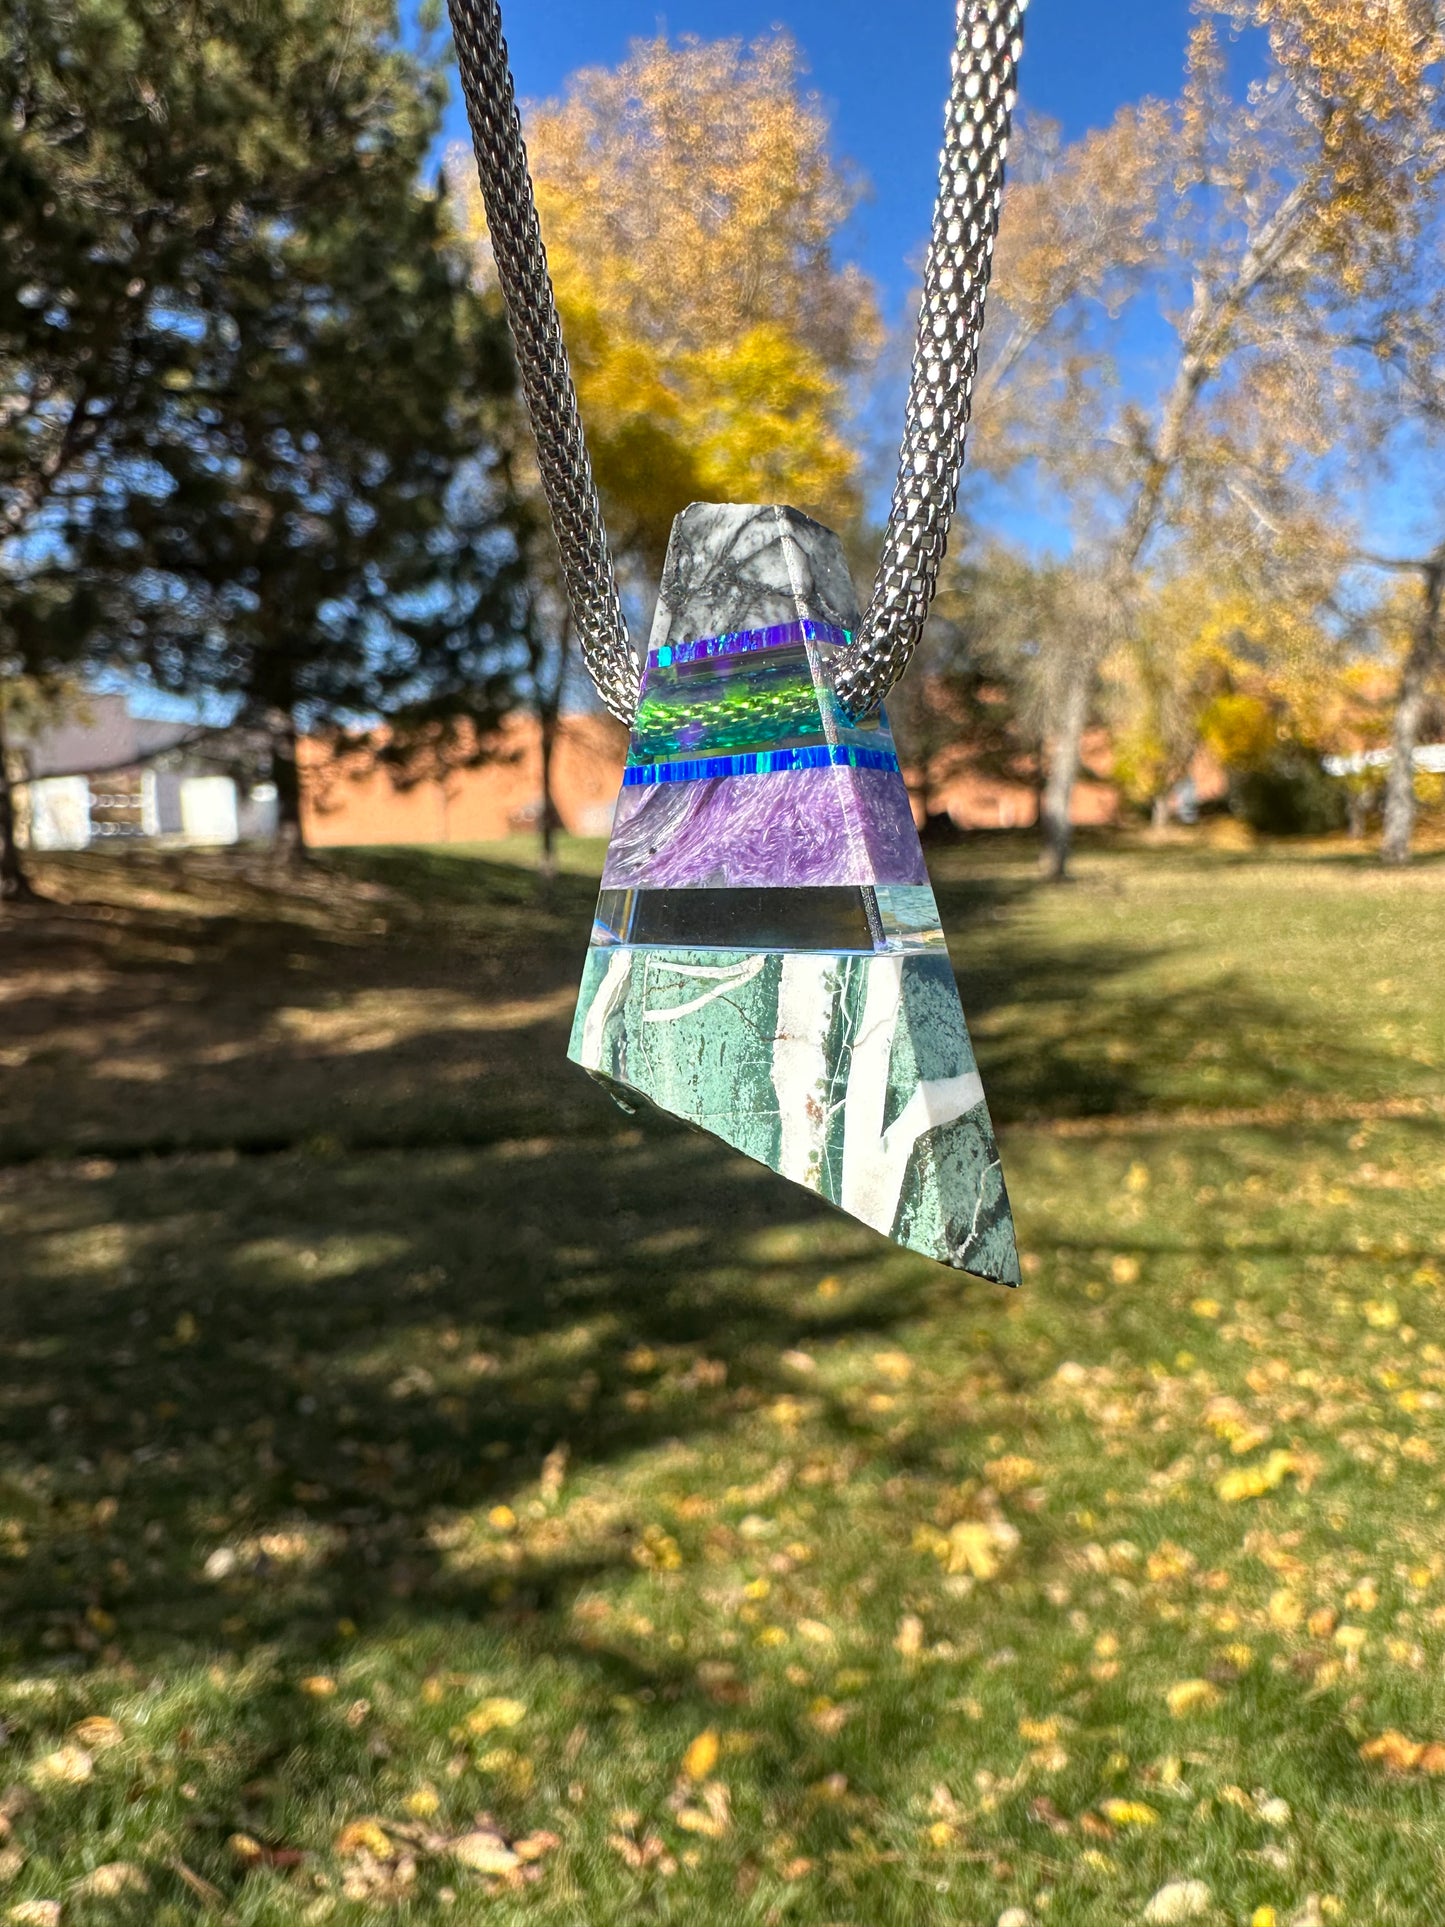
x=101 y=775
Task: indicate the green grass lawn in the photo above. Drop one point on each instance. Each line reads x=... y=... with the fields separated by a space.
x=429 y=1494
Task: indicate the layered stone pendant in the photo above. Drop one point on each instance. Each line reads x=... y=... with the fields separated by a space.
x=767 y=961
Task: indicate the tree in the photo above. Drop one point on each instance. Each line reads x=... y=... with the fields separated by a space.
x=689 y=205
x=1422 y=661
x=1225 y=659
x=981 y=691
x=308 y=541
x=232 y=340
x=109 y=181
x=1396 y=329
x=690 y=208
x=1262 y=204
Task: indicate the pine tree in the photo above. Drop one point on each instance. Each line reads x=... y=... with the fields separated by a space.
x=241 y=368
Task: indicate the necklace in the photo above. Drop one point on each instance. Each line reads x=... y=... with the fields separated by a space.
x=767 y=961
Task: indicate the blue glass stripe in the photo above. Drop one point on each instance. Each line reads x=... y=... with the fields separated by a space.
x=760 y=763
x=736 y=642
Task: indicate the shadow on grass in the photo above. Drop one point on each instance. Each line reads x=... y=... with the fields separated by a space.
x=461 y=1259
x=423 y=998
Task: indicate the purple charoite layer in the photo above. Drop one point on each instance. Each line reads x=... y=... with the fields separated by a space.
x=796 y=827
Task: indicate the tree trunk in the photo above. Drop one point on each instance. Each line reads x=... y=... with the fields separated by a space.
x=290 y=845
x=1159 y=812
x=1064 y=755
x=551 y=822
x=14 y=884
x=1409 y=712
x=549 y=693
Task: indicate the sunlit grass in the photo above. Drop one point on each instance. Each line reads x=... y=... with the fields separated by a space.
x=427 y=1494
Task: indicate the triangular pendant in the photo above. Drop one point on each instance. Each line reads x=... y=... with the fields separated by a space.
x=767 y=961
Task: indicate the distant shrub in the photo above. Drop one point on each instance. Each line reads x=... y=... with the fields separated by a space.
x=1290 y=795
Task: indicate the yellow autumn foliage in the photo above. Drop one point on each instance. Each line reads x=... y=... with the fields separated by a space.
x=689 y=204
x=1253 y=1481
x=702 y=1755
x=1192 y=1696
x=493 y=1715
x=1129 y=1813
x=1364 y=70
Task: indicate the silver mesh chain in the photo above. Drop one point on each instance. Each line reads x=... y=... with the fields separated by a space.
x=988 y=42
x=986 y=52
x=541 y=355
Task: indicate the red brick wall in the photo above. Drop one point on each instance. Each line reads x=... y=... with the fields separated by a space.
x=348 y=796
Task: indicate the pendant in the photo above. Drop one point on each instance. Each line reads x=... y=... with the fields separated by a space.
x=767 y=961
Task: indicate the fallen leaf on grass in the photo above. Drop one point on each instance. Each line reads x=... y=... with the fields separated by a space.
x=908 y=1642
x=710 y=1818
x=108 y=1882
x=66 y=1766
x=1038 y=1732
x=97 y=1733
x=365 y=1836
x=641 y=1854
x=974 y=1546
x=1129 y=1813
x=1010 y=1473
x=318 y=1686
x=1178 y=1901
x=495 y=1713
x=35 y=1913
x=203 y=1890
x=378 y=1882
x=1192 y=1696
x=701 y=1757
x=255 y=1853
x=657 y=1551
x=554 y=1471
x=826 y=1718
x=485 y=1851
x=1397 y=1753
x=1253 y=1481
x=1047 y=1815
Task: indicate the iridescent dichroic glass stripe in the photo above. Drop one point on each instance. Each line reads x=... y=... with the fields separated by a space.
x=760 y=763
x=740 y=641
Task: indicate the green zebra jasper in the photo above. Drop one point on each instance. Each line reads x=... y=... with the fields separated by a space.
x=851 y=1075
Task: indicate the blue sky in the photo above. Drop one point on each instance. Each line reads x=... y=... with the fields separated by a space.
x=883 y=83
x=883 y=73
